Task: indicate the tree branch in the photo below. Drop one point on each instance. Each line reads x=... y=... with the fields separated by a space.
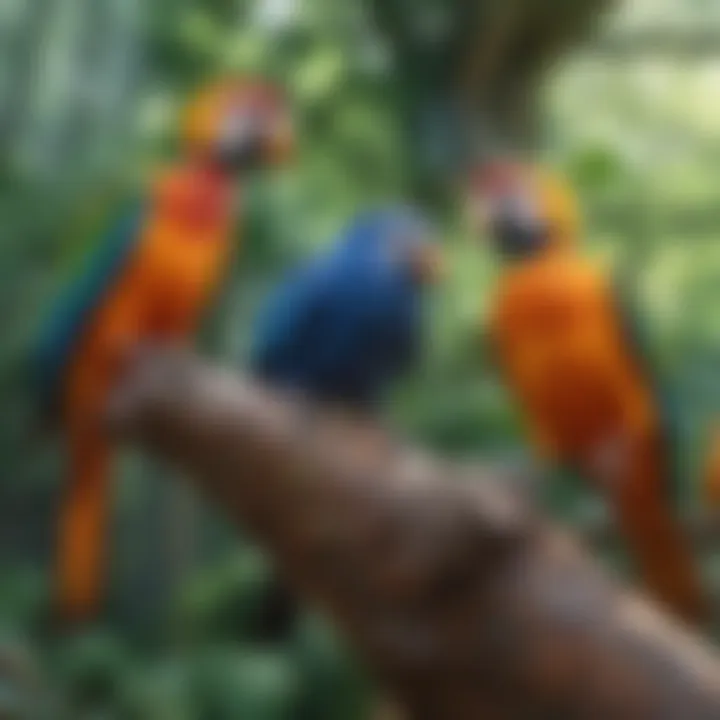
x=463 y=602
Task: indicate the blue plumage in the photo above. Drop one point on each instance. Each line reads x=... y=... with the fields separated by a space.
x=345 y=325
x=70 y=317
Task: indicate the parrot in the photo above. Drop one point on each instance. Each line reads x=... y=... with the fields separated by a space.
x=567 y=346
x=150 y=277
x=343 y=326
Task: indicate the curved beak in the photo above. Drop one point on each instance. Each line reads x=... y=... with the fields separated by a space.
x=280 y=144
x=428 y=264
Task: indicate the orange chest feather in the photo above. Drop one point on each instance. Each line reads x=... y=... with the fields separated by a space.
x=186 y=242
x=561 y=344
x=175 y=269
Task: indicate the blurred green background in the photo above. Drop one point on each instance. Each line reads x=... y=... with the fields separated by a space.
x=89 y=96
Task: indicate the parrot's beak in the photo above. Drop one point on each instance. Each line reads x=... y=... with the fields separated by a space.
x=428 y=264
x=239 y=149
x=280 y=146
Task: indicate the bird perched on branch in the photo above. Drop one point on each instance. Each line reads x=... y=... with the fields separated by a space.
x=151 y=277
x=564 y=342
x=344 y=327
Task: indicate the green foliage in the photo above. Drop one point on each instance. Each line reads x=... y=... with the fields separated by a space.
x=230 y=684
x=595 y=168
x=222 y=603
x=91 y=668
x=24 y=597
x=158 y=692
x=370 y=87
x=332 y=685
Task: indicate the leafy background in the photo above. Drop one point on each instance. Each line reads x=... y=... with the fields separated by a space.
x=89 y=95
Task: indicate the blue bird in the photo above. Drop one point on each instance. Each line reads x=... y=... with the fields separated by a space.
x=341 y=328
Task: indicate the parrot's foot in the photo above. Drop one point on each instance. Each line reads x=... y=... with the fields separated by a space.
x=149 y=374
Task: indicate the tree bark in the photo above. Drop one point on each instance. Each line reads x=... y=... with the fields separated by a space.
x=463 y=602
x=469 y=75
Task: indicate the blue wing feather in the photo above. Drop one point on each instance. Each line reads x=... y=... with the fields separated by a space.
x=286 y=322
x=63 y=329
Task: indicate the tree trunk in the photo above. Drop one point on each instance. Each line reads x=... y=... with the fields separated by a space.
x=463 y=602
x=469 y=74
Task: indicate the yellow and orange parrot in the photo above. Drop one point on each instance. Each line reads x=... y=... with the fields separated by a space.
x=151 y=279
x=564 y=345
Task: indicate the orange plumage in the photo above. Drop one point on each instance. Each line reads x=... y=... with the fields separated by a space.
x=159 y=292
x=161 y=295
x=562 y=344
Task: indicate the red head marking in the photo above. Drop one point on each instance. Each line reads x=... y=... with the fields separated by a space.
x=497 y=178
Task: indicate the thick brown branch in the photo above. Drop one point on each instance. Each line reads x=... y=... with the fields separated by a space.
x=463 y=603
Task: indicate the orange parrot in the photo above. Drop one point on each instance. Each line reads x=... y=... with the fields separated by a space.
x=152 y=278
x=564 y=345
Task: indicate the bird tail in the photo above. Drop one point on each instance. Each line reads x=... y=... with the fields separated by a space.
x=711 y=471
x=80 y=563
x=656 y=539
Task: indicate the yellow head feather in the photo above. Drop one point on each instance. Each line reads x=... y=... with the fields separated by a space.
x=200 y=122
x=559 y=206
x=205 y=113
